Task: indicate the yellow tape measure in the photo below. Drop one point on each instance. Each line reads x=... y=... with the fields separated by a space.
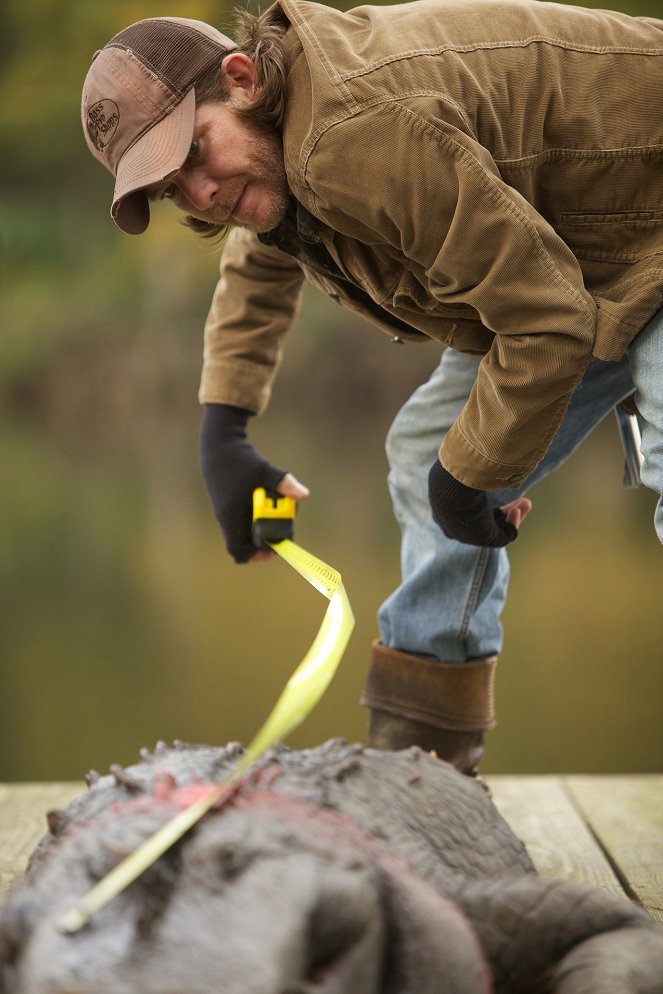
x=273 y=517
x=273 y=525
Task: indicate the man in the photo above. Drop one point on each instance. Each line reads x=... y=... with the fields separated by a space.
x=488 y=173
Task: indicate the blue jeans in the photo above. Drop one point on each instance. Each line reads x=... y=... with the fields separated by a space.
x=449 y=603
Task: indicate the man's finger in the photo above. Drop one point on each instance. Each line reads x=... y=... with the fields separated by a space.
x=517 y=510
x=289 y=486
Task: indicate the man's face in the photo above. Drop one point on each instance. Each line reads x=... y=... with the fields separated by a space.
x=234 y=174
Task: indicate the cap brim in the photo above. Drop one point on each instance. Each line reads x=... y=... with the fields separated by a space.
x=158 y=154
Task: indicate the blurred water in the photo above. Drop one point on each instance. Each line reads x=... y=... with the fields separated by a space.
x=123 y=621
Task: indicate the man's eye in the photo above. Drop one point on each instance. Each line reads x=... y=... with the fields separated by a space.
x=169 y=192
x=193 y=149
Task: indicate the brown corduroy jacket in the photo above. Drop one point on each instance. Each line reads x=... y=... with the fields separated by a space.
x=486 y=172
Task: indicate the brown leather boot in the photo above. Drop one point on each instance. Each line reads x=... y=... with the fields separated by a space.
x=441 y=707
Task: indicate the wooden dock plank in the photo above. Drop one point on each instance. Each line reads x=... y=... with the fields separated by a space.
x=22 y=821
x=541 y=813
x=626 y=816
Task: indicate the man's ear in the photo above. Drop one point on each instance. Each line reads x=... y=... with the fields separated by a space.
x=240 y=75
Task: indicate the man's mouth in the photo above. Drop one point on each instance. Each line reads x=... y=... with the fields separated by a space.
x=237 y=205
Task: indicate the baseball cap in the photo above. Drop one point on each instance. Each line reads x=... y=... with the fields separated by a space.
x=139 y=105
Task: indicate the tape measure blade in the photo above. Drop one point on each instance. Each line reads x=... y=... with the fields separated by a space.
x=324 y=578
x=312 y=677
x=300 y=695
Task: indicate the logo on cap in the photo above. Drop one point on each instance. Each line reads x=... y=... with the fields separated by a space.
x=102 y=121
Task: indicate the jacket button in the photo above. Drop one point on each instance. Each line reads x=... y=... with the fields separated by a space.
x=514 y=479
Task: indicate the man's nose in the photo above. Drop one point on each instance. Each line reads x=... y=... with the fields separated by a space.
x=198 y=188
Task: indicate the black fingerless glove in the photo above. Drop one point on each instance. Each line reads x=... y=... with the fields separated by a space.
x=232 y=469
x=463 y=513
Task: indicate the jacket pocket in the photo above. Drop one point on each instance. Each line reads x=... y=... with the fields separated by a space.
x=612 y=236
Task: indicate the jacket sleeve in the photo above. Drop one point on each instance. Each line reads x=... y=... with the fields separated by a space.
x=254 y=305
x=473 y=240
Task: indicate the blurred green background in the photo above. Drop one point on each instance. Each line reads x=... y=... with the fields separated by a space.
x=122 y=619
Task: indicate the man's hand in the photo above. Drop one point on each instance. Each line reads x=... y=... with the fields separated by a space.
x=232 y=469
x=463 y=513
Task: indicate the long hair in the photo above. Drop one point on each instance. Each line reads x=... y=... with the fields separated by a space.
x=260 y=38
